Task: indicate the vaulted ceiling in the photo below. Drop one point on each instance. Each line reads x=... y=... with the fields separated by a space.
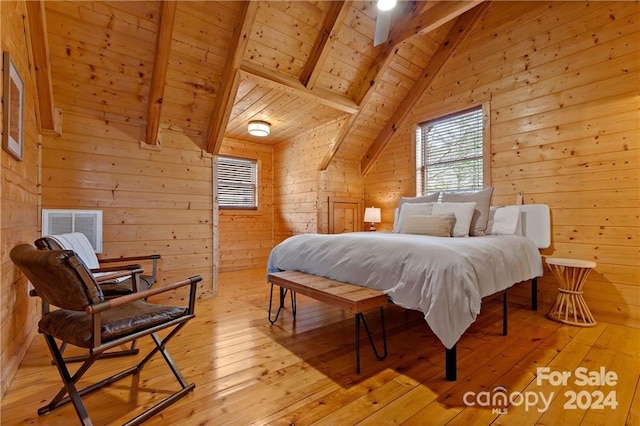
x=208 y=68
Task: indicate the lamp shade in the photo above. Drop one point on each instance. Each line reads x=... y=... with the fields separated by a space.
x=259 y=128
x=372 y=214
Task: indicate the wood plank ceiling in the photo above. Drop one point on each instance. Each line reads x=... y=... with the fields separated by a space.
x=208 y=68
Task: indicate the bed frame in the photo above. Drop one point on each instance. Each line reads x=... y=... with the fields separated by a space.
x=450 y=355
x=535 y=222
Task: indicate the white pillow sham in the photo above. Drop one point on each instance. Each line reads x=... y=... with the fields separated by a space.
x=504 y=220
x=463 y=213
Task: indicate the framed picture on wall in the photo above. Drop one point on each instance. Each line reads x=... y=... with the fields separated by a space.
x=12 y=124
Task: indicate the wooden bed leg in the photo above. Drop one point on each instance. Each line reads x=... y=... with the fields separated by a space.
x=504 y=313
x=451 y=369
x=534 y=294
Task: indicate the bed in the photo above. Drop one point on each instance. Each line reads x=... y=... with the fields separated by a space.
x=444 y=278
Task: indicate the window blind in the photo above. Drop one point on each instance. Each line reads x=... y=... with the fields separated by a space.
x=449 y=153
x=237 y=183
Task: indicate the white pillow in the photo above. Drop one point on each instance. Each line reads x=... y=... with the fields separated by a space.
x=504 y=220
x=463 y=213
x=412 y=209
x=481 y=215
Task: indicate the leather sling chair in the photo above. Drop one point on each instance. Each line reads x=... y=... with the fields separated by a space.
x=85 y=319
x=112 y=279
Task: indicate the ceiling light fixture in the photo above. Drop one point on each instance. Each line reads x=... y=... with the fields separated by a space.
x=259 y=128
x=385 y=5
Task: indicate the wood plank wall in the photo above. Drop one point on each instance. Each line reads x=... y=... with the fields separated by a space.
x=562 y=79
x=153 y=201
x=301 y=191
x=20 y=197
x=246 y=236
x=342 y=179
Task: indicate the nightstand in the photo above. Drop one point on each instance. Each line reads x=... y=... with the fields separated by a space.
x=570 y=307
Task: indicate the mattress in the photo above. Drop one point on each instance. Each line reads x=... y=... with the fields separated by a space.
x=444 y=278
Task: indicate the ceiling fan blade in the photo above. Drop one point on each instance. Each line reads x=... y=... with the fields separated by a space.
x=383 y=21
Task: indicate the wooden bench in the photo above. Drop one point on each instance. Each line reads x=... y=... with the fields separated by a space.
x=349 y=297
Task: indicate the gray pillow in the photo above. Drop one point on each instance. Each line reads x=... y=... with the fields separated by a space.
x=482 y=199
x=429 y=198
x=411 y=209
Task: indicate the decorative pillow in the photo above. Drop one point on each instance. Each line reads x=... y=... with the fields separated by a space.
x=504 y=220
x=412 y=209
x=429 y=198
x=396 y=218
x=463 y=213
x=482 y=199
x=437 y=225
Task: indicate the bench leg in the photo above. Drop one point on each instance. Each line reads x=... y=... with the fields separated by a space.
x=360 y=317
x=534 y=294
x=283 y=295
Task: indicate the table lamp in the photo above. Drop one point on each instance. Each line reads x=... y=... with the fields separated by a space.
x=372 y=215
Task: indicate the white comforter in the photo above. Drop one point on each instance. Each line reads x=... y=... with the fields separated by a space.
x=444 y=278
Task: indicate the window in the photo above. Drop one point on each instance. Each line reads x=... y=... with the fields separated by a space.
x=450 y=151
x=237 y=183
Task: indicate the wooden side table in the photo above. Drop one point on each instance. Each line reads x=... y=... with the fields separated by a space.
x=570 y=307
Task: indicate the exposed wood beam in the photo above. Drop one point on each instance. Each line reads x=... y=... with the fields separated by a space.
x=424 y=22
x=334 y=20
x=289 y=84
x=418 y=22
x=231 y=76
x=342 y=134
x=160 y=65
x=383 y=59
x=459 y=32
x=435 y=17
x=42 y=65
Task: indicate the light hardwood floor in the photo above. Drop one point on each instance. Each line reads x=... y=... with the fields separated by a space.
x=249 y=372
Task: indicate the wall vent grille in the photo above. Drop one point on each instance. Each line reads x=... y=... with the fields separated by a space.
x=88 y=222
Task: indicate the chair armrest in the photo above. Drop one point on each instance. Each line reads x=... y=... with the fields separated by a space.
x=130 y=258
x=152 y=257
x=123 y=300
x=102 y=275
x=45 y=306
x=130 y=268
x=117 y=273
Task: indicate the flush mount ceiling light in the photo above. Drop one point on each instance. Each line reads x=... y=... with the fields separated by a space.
x=386 y=4
x=259 y=128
